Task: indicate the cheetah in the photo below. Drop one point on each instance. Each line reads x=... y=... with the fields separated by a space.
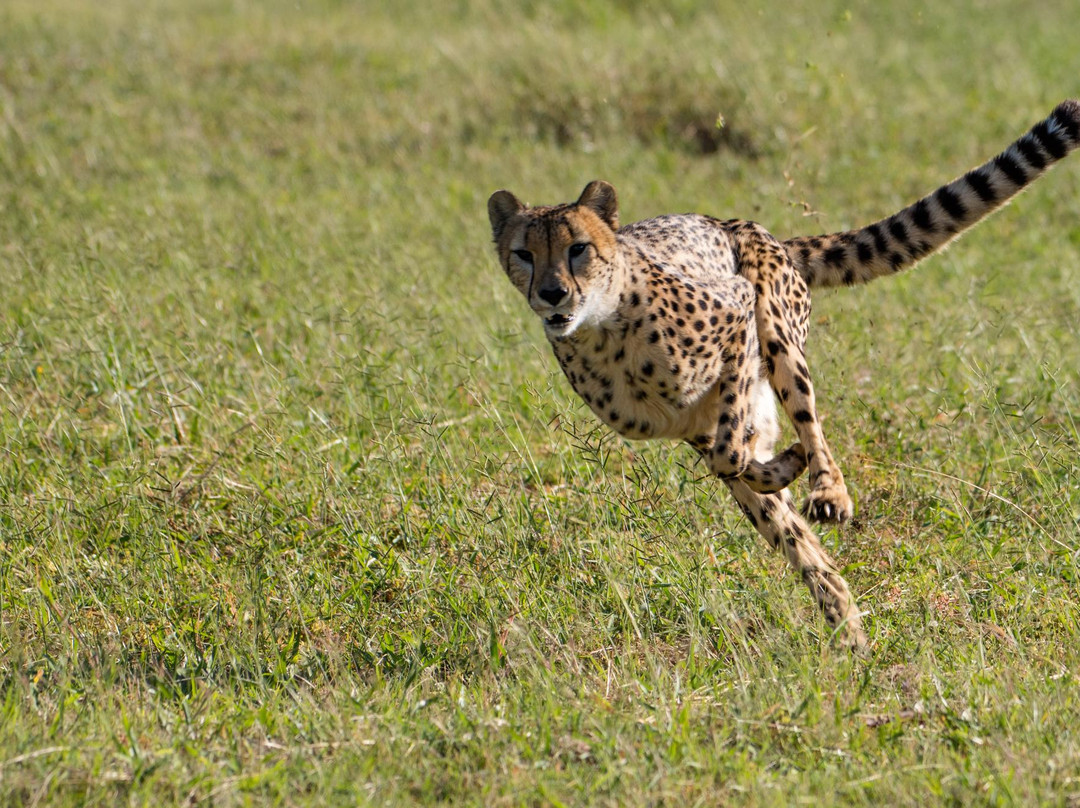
x=689 y=328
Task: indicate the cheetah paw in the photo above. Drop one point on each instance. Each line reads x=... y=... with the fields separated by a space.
x=829 y=503
x=850 y=637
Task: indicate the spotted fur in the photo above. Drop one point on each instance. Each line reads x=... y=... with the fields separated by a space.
x=685 y=327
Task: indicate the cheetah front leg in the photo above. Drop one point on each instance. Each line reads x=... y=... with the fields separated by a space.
x=775 y=518
x=782 y=315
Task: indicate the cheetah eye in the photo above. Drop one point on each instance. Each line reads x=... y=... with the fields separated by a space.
x=577 y=249
x=524 y=255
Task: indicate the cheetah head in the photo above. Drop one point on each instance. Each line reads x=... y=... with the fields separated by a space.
x=563 y=258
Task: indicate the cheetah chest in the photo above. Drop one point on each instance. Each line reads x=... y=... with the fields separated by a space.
x=653 y=374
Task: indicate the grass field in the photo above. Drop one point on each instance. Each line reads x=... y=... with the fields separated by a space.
x=296 y=509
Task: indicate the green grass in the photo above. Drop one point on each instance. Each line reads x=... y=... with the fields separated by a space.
x=296 y=509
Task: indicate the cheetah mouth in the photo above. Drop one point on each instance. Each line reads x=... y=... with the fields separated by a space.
x=558 y=321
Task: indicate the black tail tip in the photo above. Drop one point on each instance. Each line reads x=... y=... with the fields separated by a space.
x=1068 y=113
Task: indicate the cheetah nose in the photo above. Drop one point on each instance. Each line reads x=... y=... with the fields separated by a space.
x=553 y=294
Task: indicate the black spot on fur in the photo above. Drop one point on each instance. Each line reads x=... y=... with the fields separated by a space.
x=880 y=244
x=1031 y=153
x=921 y=249
x=921 y=216
x=1011 y=169
x=980 y=184
x=951 y=203
x=1049 y=141
x=1067 y=116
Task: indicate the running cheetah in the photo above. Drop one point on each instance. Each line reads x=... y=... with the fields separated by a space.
x=685 y=327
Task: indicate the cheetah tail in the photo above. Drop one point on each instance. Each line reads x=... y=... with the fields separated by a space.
x=901 y=240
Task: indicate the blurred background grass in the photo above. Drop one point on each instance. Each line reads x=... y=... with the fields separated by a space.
x=295 y=508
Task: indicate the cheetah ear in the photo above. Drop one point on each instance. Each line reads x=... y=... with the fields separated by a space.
x=502 y=207
x=599 y=197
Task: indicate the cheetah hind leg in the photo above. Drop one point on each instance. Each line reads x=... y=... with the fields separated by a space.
x=782 y=314
x=776 y=519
